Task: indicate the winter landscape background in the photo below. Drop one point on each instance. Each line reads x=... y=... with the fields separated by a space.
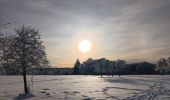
x=84 y=50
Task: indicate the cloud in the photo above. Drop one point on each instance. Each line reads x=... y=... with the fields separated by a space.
x=119 y=28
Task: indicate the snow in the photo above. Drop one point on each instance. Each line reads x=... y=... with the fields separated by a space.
x=51 y=87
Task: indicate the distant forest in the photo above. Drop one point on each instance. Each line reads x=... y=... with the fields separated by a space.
x=101 y=66
x=104 y=66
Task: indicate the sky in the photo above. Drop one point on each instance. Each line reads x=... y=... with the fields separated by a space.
x=133 y=30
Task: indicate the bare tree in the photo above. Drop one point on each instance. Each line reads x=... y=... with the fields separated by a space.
x=29 y=50
x=161 y=65
x=2 y=39
x=1 y=48
x=8 y=57
x=168 y=61
x=120 y=64
x=76 y=69
x=113 y=67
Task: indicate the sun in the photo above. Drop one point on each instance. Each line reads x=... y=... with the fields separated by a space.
x=84 y=46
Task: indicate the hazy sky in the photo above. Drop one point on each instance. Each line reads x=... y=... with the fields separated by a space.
x=134 y=30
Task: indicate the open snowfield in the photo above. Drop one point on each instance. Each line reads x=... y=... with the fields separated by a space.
x=129 y=87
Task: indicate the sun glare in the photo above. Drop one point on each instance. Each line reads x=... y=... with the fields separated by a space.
x=84 y=46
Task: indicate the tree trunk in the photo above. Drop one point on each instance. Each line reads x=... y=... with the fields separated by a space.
x=101 y=71
x=119 y=71
x=162 y=71
x=24 y=65
x=25 y=80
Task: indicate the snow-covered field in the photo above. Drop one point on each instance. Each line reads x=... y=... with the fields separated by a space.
x=129 y=87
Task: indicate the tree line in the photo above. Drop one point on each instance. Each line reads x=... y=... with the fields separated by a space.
x=119 y=67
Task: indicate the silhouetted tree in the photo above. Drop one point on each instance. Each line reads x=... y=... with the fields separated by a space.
x=1 y=48
x=120 y=65
x=168 y=60
x=145 y=68
x=29 y=50
x=76 y=69
x=102 y=63
x=161 y=65
x=8 y=56
x=113 y=66
x=2 y=39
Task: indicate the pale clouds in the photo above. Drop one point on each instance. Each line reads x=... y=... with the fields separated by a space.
x=134 y=30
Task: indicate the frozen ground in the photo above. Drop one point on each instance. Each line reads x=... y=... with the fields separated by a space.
x=87 y=88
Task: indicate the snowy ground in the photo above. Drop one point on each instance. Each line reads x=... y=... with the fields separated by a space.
x=88 y=88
